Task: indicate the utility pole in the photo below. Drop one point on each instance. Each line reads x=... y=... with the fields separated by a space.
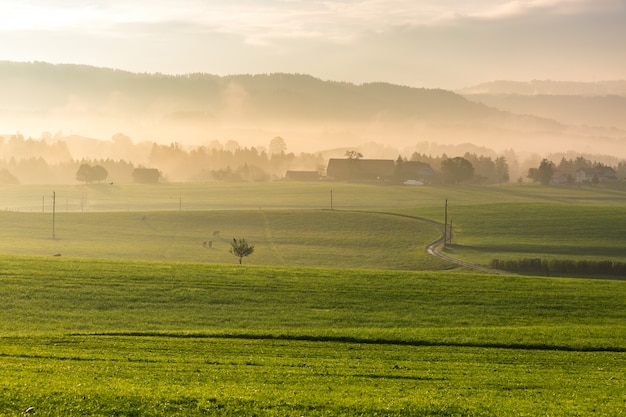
x=53 y=213
x=445 y=226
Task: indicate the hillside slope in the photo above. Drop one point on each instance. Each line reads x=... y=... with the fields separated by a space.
x=310 y=113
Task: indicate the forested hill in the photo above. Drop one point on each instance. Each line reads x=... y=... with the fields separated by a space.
x=46 y=87
x=311 y=114
x=601 y=103
x=550 y=88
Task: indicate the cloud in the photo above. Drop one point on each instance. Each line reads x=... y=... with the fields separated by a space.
x=348 y=21
x=516 y=8
x=450 y=41
x=519 y=7
x=265 y=22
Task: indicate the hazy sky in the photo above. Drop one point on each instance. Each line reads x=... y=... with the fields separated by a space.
x=424 y=43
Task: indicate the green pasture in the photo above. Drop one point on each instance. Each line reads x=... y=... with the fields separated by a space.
x=291 y=224
x=319 y=238
x=292 y=195
x=546 y=230
x=337 y=312
x=111 y=337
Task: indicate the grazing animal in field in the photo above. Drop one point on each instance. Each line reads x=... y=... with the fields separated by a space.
x=216 y=233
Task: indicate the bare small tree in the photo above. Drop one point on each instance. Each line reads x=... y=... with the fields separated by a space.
x=241 y=248
x=352 y=154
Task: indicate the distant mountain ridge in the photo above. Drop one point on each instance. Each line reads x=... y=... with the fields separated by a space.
x=311 y=114
x=600 y=103
x=548 y=87
x=608 y=111
x=48 y=87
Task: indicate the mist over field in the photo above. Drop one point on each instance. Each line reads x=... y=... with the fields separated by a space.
x=320 y=208
x=65 y=113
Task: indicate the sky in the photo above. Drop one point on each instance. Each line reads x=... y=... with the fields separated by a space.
x=447 y=44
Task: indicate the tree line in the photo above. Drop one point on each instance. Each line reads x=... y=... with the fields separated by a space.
x=561 y=266
x=49 y=160
x=566 y=170
x=469 y=168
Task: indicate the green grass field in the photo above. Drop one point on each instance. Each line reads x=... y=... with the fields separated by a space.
x=337 y=313
x=288 y=195
x=321 y=238
x=511 y=221
x=546 y=230
x=88 y=337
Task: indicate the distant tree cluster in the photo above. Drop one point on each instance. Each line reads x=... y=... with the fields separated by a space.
x=561 y=266
x=543 y=173
x=38 y=170
x=230 y=162
x=456 y=170
x=578 y=170
x=470 y=168
x=50 y=160
x=89 y=174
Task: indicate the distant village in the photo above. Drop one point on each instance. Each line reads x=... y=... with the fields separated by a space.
x=372 y=170
x=50 y=160
x=421 y=173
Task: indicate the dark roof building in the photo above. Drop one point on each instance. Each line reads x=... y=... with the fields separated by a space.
x=360 y=169
x=600 y=172
x=416 y=170
x=146 y=175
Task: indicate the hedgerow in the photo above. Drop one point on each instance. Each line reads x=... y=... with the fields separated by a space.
x=561 y=266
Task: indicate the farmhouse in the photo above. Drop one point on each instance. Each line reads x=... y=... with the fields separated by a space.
x=416 y=170
x=560 y=178
x=360 y=169
x=146 y=175
x=601 y=173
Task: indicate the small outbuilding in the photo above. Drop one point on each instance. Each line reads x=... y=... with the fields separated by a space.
x=360 y=169
x=146 y=175
x=601 y=173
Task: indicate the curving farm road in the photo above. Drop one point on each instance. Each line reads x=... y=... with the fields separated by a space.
x=435 y=250
x=436 y=247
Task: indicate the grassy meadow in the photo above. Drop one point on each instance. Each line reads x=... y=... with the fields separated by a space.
x=539 y=230
x=171 y=222
x=110 y=337
x=319 y=238
x=337 y=313
x=290 y=195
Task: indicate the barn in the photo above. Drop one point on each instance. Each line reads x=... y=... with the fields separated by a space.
x=360 y=169
x=146 y=175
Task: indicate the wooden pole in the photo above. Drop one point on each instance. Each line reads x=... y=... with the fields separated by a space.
x=53 y=213
x=445 y=225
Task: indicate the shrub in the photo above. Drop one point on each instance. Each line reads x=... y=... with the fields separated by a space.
x=561 y=266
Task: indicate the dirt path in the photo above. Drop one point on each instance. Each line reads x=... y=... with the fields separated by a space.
x=435 y=250
x=436 y=247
